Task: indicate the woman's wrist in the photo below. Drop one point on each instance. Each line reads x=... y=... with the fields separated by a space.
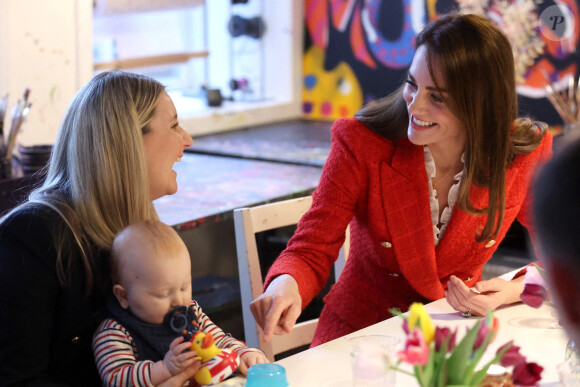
x=516 y=288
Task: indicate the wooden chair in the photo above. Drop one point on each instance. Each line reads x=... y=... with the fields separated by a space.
x=248 y=222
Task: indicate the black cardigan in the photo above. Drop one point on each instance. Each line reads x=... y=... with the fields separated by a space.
x=46 y=328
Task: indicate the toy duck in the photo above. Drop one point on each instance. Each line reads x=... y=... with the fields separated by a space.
x=217 y=364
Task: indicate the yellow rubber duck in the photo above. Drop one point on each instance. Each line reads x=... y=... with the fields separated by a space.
x=205 y=346
x=217 y=363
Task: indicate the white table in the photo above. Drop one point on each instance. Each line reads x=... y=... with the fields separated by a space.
x=536 y=331
x=533 y=330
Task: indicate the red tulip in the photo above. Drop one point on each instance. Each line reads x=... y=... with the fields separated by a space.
x=443 y=333
x=527 y=374
x=512 y=356
x=534 y=295
x=416 y=350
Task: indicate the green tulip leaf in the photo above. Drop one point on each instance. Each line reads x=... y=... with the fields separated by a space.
x=461 y=355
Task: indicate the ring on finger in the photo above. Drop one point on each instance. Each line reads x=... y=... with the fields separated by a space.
x=467 y=313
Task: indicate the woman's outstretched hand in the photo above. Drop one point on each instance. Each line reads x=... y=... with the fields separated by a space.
x=277 y=310
x=485 y=296
x=182 y=377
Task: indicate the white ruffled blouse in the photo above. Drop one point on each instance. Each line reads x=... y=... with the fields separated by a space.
x=434 y=203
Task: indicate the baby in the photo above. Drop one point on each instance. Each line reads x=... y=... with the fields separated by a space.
x=151 y=272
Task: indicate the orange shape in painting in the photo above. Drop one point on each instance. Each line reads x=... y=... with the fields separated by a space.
x=357 y=41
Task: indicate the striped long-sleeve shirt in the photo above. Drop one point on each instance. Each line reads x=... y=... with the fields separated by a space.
x=117 y=358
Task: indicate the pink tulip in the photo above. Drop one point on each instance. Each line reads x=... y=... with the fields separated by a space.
x=481 y=335
x=533 y=276
x=512 y=356
x=488 y=327
x=534 y=295
x=416 y=350
x=527 y=374
x=443 y=333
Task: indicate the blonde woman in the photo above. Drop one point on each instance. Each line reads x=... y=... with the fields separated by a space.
x=113 y=155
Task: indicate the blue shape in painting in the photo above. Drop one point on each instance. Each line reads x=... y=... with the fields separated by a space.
x=394 y=54
x=309 y=81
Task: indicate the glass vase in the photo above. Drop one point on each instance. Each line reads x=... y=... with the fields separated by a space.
x=571 y=351
x=569 y=370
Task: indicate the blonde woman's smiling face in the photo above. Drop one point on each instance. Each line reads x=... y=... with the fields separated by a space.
x=164 y=145
x=430 y=119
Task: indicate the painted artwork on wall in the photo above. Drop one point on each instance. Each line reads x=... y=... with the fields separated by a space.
x=359 y=50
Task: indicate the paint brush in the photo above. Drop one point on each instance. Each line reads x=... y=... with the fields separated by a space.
x=571 y=96
x=15 y=129
x=3 y=107
x=19 y=113
x=550 y=94
x=565 y=103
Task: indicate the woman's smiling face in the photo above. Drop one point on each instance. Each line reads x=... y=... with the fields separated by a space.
x=164 y=145
x=430 y=119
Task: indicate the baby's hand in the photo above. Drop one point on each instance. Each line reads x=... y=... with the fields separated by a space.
x=177 y=358
x=250 y=358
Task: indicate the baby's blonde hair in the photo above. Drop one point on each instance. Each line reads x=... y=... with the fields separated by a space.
x=150 y=238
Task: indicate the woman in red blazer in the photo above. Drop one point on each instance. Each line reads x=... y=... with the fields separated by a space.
x=429 y=178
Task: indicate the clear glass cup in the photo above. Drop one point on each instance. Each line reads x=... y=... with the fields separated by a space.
x=571 y=351
x=569 y=373
x=372 y=358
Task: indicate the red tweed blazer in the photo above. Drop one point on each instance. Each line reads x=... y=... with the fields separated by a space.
x=380 y=187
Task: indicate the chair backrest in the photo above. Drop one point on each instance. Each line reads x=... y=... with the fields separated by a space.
x=248 y=222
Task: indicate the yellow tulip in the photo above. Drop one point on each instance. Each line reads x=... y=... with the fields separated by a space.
x=418 y=316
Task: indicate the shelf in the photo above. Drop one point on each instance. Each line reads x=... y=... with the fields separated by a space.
x=153 y=60
x=114 y=7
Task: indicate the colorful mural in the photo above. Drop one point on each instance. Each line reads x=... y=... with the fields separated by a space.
x=359 y=50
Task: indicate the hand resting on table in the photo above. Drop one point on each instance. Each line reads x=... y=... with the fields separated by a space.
x=486 y=295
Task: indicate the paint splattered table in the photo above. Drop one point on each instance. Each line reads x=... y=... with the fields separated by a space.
x=211 y=187
x=298 y=142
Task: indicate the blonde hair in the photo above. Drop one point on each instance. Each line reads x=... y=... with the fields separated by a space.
x=149 y=237
x=97 y=174
x=478 y=68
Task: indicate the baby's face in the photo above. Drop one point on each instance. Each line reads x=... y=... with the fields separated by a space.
x=159 y=284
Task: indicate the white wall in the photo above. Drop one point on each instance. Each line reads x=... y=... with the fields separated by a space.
x=44 y=46
x=47 y=45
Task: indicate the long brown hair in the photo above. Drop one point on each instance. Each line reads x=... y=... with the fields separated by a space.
x=476 y=63
x=97 y=174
